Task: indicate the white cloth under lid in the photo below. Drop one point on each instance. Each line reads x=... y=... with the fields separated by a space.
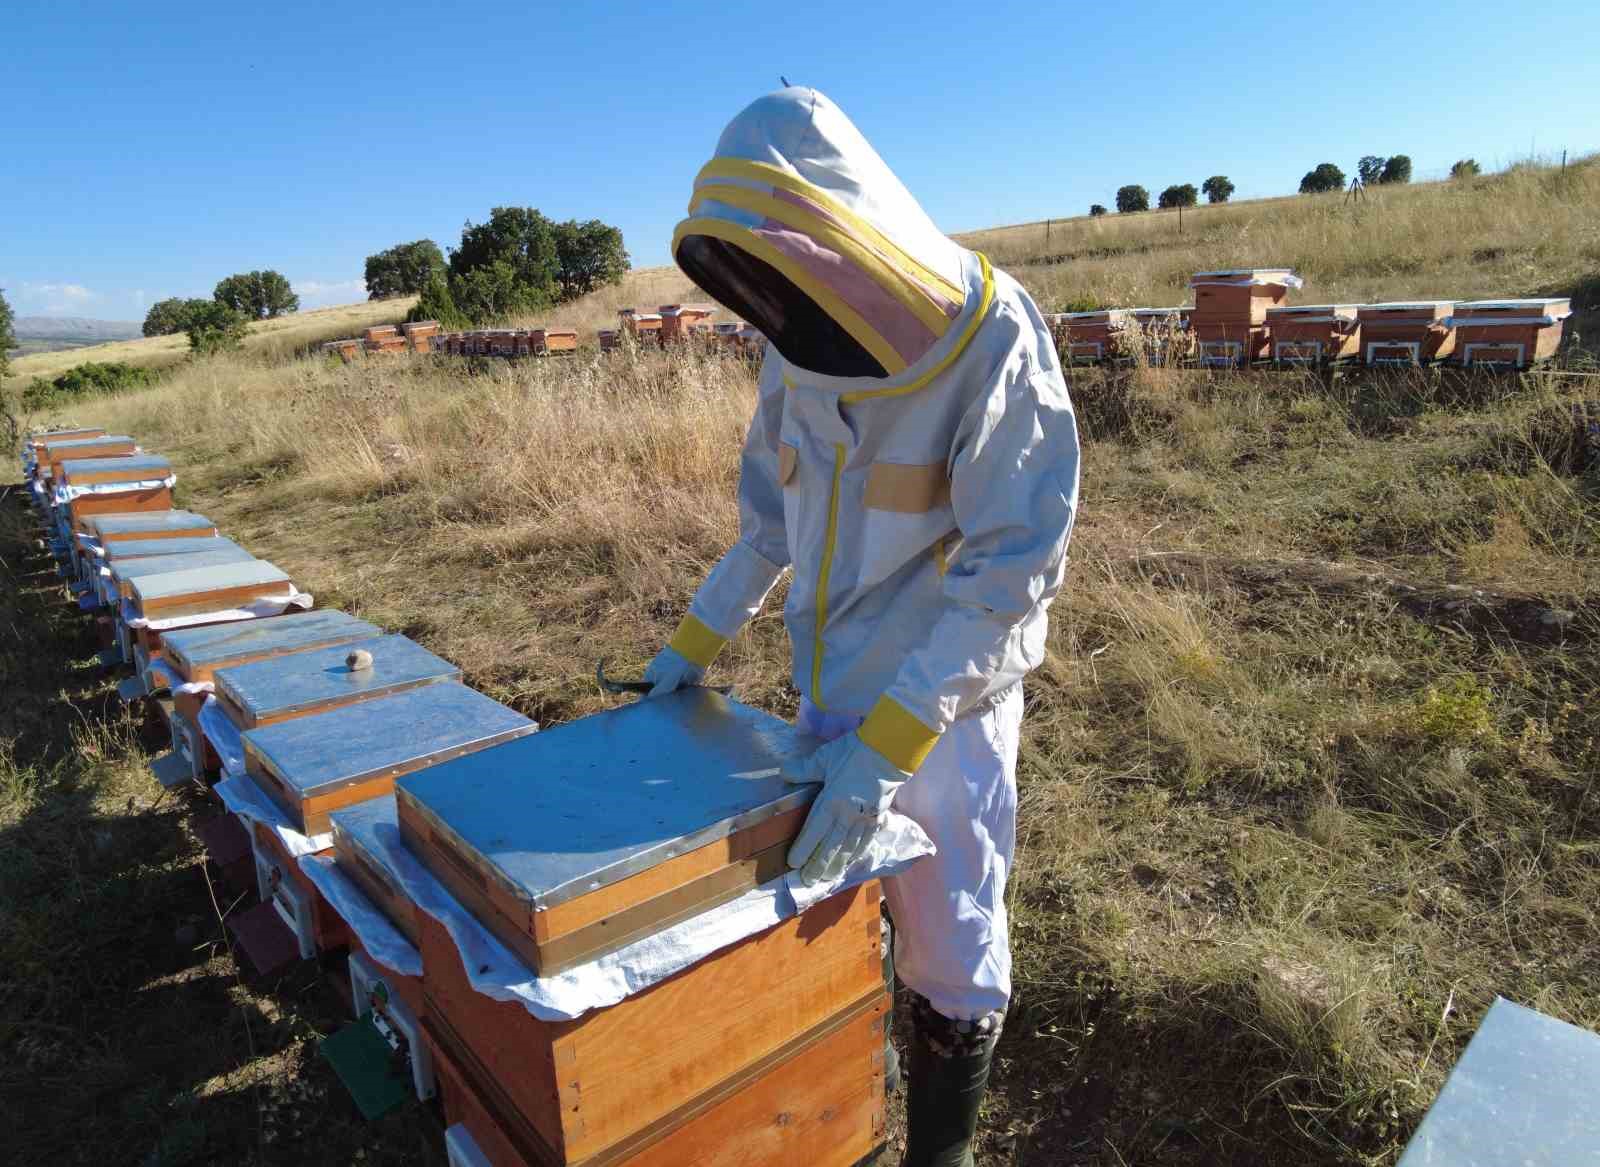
x=385 y=943
x=496 y=972
x=244 y=798
x=65 y=494
x=254 y=610
x=224 y=737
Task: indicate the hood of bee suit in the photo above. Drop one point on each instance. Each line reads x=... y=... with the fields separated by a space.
x=798 y=225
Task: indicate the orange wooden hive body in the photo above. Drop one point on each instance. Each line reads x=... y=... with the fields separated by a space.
x=608 y=1085
x=1406 y=333
x=1314 y=334
x=1508 y=333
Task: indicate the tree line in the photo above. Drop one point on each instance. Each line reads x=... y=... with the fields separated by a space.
x=519 y=261
x=1133 y=197
x=221 y=322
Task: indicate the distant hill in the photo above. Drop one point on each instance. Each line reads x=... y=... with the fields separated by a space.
x=43 y=334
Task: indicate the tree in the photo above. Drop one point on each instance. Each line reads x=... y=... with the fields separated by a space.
x=589 y=255
x=1132 y=198
x=1096 y=210
x=436 y=303
x=215 y=327
x=403 y=270
x=1466 y=168
x=257 y=295
x=8 y=336
x=521 y=240
x=495 y=290
x=1397 y=170
x=1218 y=189
x=1370 y=169
x=1183 y=195
x=1324 y=178
x=171 y=315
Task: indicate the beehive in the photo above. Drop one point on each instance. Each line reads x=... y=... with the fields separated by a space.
x=608 y=339
x=644 y=327
x=1087 y=338
x=1228 y=344
x=614 y=1085
x=573 y=843
x=1508 y=333
x=39 y=444
x=197 y=654
x=310 y=766
x=194 y=591
x=1240 y=295
x=359 y=853
x=123 y=570
x=135 y=483
x=104 y=446
x=677 y=320
x=379 y=332
x=148 y=526
x=560 y=340
x=1314 y=334
x=1413 y=332
x=318 y=678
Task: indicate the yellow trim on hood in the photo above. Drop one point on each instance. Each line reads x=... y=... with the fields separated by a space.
x=888 y=277
x=955 y=350
x=828 y=300
x=765 y=172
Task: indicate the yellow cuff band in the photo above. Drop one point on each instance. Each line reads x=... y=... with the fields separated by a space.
x=897 y=735
x=695 y=642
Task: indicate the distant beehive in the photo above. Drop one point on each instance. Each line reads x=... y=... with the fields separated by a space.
x=348 y=349
x=1508 y=333
x=1314 y=334
x=678 y=319
x=644 y=327
x=1087 y=338
x=394 y=343
x=1415 y=332
x=1164 y=332
x=418 y=333
x=1230 y=312
x=560 y=340
x=379 y=332
x=608 y=338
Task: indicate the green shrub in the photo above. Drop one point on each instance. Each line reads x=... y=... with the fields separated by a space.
x=1456 y=713
x=436 y=303
x=215 y=328
x=91 y=379
x=1096 y=210
x=1466 y=168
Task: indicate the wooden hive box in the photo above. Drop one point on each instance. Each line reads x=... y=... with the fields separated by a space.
x=1227 y=344
x=156 y=548
x=560 y=340
x=607 y=338
x=1240 y=294
x=137 y=482
x=39 y=443
x=576 y=842
x=197 y=654
x=123 y=571
x=820 y=1104
x=379 y=332
x=1314 y=334
x=1087 y=338
x=312 y=765
x=615 y=1085
x=104 y=446
x=420 y=328
x=642 y=326
x=149 y=526
x=1508 y=333
x=357 y=850
x=219 y=587
x=1411 y=332
x=317 y=679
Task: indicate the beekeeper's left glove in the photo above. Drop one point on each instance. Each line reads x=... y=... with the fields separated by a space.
x=858 y=784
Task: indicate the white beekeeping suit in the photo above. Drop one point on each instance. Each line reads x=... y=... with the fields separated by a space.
x=914 y=457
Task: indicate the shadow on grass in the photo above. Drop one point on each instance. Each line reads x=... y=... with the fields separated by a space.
x=126 y=1035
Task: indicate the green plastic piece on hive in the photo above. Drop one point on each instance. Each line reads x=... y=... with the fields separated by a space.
x=376 y=1077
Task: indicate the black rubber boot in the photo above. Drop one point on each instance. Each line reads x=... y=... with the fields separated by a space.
x=891 y=1056
x=949 y=1071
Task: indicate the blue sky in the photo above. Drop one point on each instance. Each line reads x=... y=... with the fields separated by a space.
x=151 y=150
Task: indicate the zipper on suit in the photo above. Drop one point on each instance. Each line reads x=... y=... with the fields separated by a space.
x=823 y=571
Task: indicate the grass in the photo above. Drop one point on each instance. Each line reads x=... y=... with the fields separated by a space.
x=1281 y=845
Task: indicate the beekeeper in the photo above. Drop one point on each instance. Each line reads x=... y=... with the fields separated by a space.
x=914 y=457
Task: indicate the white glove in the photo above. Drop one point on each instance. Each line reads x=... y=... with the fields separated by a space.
x=857 y=786
x=671 y=671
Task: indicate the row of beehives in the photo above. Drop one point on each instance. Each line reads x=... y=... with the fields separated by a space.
x=346 y=778
x=1239 y=318
x=674 y=324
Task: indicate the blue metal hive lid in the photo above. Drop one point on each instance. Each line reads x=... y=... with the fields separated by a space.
x=178 y=545
x=591 y=802
x=130 y=569
x=357 y=743
x=142 y=465
x=292 y=684
x=217 y=577
x=140 y=522
x=214 y=645
x=1522 y=1093
x=86 y=447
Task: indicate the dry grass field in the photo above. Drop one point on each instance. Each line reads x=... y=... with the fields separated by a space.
x=1293 y=811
